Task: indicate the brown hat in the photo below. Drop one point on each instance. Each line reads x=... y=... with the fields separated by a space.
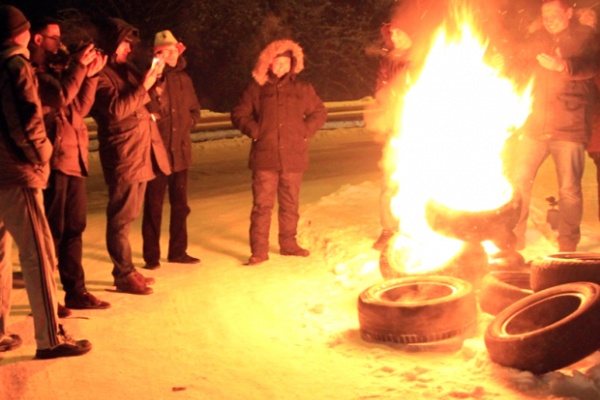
x=12 y=22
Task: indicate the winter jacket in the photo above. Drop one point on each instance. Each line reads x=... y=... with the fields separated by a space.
x=25 y=150
x=66 y=100
x=279 y=114
x=177 y=110
x=562 y=101
x=130 y=147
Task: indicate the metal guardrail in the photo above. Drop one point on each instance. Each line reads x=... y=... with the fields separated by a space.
x=219 y=126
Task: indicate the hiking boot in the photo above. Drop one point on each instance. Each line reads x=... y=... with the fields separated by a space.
x=257 y=259
x=184 y=259
x=85 y=301
x=62 y=311
x=383 y=239
x=10 y=342
x=133 y=283
x=152 y=265
x=295 y=251
x=68 y=348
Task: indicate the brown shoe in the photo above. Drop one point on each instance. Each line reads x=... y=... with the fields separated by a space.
x=133 y=283
x=85 y=301
x=184 y=259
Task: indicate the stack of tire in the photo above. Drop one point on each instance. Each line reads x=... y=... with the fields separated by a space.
x=545 y=319
x=547 y=316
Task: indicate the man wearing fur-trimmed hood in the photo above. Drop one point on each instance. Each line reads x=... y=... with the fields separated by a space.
x=279 y=112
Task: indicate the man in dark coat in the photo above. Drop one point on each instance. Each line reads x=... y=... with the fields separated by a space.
x=564 y=59
x=25 y=152
x=131 y=150
x=176 y=109
x=279 y=112
x=67 y=89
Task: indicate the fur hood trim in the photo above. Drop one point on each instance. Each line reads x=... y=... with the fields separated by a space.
x=261 y=70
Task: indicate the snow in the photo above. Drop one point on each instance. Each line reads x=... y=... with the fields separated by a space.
x=286 y=329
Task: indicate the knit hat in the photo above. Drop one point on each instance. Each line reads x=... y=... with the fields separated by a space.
x=165 y=38
x=12 y=22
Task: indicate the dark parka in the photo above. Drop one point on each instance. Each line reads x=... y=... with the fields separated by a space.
x=66 y=100
x=25 y=150
x=279 y=115
x=176 y=106
x=562 y=101
x=130 y=145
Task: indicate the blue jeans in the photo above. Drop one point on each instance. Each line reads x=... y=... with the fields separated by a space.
x=569 y=162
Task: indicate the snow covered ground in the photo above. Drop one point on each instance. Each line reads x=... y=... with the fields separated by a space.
x=286 y=329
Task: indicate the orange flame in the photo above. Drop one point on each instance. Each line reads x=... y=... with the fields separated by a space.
x=448 y=142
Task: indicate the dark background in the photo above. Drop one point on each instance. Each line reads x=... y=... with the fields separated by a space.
x=341 y=38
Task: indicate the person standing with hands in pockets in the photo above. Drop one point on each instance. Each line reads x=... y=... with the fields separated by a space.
x=279 y=112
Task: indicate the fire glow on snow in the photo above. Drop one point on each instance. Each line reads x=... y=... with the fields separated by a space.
x=450 y=133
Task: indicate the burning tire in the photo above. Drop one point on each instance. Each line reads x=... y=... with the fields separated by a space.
x=469 y=226
x=510 y=260
x=547 y=330
x=417 y=310
x=560 y=268
x=500 y=289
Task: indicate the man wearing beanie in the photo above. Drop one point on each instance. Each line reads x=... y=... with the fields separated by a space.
x=130 y=147
x=177 y=110
x=67 y=89
x=25 y=153
x=279 y=112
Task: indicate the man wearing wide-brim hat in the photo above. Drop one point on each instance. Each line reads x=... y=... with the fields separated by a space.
x=176 y=109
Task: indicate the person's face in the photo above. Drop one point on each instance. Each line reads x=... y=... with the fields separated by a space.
x=168 y=53
x=49 y=38
x=23 y=39
x=122 y=52
x=555 y=18
x=281 y=66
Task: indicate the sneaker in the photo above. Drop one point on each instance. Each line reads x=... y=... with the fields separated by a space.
x=184 y=259
x=133 y=283
x=85 y=301
x=297 y=251
x=257 y=259
x=68 y=348
x=148 y=280
x=383 y=239
x=63 y=312
x=10 y=342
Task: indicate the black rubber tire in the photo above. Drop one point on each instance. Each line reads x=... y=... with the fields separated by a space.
x=390 y=311
x=470 y=226
x=547 y=330
x=556 y=269
x=500 y=289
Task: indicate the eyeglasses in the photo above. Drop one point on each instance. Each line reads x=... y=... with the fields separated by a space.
x=57 y=39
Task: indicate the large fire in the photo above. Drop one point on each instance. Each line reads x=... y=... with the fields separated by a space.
x=451 y=129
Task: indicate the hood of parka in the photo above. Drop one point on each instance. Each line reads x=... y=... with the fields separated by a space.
x=261 y=69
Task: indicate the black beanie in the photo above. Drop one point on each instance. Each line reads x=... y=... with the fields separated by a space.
x=12 y=22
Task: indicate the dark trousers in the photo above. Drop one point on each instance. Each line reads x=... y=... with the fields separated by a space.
x=124 y=205
x=65 y=202
x=153 y=205
x=596 y=158
x=266 y=185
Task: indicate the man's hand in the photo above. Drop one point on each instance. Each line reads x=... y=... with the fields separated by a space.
x=552 y=63
x=97 y=63
x=86 y=56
